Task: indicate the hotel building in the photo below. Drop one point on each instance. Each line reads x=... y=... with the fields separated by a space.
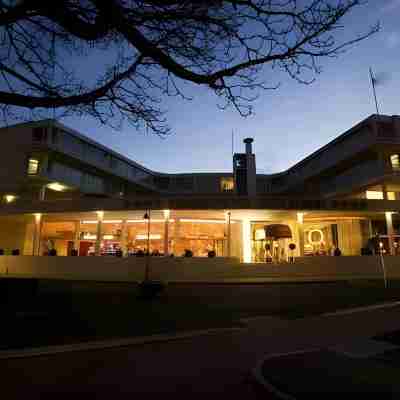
x=61 y=190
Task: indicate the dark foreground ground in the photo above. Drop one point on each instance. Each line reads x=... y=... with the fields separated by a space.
x=69 y=312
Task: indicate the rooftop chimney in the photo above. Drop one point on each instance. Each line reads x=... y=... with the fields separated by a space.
x=248 y=142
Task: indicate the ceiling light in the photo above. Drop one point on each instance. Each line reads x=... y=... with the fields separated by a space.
x=58 y=187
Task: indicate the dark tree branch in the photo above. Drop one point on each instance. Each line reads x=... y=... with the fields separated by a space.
x=151 y=46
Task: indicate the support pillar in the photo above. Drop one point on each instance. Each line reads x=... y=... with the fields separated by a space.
x=300 y=232
x=36 y=235
x=384 y=192
x=124 y=232
x=42 y=193
x=176 y=236
x=76 y=236
x=246 y=240
x=390 y=231
x=97 y=247
x=228 y=233
x=166 y=232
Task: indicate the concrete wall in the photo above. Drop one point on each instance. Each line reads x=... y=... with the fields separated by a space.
x=195 y=269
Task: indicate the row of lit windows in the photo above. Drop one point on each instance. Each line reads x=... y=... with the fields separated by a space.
x=377 y=195
x=395 y=162
x=94 y=154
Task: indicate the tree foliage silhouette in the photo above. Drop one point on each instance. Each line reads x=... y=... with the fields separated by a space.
x=146 y=50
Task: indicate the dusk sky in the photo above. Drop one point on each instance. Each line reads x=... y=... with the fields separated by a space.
x=288 y=124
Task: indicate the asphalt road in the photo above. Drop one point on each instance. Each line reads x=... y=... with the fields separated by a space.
x=206 y=365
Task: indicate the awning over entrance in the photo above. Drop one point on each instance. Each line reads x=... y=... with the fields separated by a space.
x=278 y=231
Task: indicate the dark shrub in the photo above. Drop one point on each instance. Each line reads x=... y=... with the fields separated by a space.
x=188 y=253
x=211 y=254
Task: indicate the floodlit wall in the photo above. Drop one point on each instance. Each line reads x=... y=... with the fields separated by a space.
x=350 y=237
x=196 y=269
x=12 y=234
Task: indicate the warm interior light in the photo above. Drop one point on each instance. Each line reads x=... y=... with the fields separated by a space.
x=152 y=236
x=311 y=238
x=33 y=166
x=374 y=195
x=108 y=221
x=300 y=217
x=259 y=234
x=395 y=162
x=133 y=221
x=89 y=236
x=38 y=216
x=9 y=198
x=57 y=187
x=108 y=237
x=206 y=221
x=167 y=214
x=246 y=239
x=100 y=215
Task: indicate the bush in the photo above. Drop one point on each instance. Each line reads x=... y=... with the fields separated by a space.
x=188 y=253
x=211 y=254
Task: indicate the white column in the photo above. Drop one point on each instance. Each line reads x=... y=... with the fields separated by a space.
x=42 y=193
x=36 y=235
x=76 y=236
x=176 y=236
x=390 y=231
x=166 y=232
x=228 y=234
x=124 y=238
x=100 y=217
x=246 y=240
x=300 y=232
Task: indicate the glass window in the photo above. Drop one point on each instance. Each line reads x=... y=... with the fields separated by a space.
x=391 y=195
x=395 y=162
x=227 y=184
x=33 y=166
x=374 y=195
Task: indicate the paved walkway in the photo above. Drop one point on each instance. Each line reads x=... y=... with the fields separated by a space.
x=209 y=365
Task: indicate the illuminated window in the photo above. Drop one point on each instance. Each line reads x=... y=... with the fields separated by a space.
x=391 y=195
x=227 y=184
x=33 y=166
x=374 y=195
x=395 y=162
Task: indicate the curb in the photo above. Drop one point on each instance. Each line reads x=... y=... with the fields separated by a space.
x=109 y=344
x=355 y=310
x=267 y=386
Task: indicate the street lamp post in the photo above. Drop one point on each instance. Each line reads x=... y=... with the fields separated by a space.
x=149 y=289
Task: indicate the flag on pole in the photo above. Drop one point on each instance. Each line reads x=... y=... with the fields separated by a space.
x=374 y=81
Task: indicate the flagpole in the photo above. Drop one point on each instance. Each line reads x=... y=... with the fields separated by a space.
x=373 y=81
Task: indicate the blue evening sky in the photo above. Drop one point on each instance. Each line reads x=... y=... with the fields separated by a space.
x=288 y=124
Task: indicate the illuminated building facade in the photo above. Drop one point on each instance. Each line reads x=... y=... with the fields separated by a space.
x=62 y=191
